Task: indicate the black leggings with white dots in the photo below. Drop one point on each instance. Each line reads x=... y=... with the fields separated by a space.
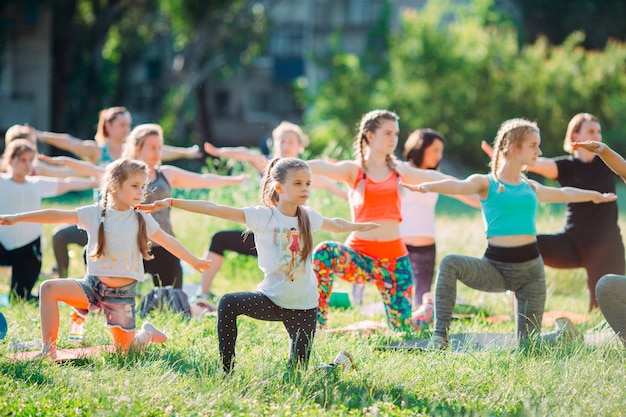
x=300 y=325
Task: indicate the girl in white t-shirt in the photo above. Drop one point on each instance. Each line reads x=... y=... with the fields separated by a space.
x=20 y=245
x=283 y=237
x=114 y=264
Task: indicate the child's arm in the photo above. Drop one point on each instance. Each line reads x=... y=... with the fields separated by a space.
x=76 y=184
x=414 y=175
x=177 y=249
x=76 y=165
x=51 y=170
x=611 y=158
x=474 y=184
x=338 y=225
x=544 y=166
x=343 y=171
x=180 y=178
x=571 y=195
x=40 y=216
x=239 y=153
x=203 y=207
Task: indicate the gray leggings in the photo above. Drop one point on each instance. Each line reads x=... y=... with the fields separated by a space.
x=527 y=279
x=611 y=295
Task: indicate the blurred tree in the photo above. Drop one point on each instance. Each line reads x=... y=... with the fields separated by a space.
x=211 y=39
x=556 y=19
x=461 y=70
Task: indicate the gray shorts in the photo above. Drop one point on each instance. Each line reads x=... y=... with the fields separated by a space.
x=117 y=303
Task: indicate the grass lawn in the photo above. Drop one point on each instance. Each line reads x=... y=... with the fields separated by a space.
x=179 y=378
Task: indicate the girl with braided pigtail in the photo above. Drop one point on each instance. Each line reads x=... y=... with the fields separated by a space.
x=283 y=234
x=114 y=262
x=377 y=256
x=512 y=260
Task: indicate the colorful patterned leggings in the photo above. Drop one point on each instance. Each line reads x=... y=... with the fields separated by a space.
x=393 y=278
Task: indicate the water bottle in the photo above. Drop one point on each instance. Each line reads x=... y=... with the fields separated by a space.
x=34 y=344
x=77 y=327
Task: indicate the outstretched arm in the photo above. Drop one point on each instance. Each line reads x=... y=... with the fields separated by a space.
x=76 y=184
x=84 y=149
x=76 y=165
x=571 y=195
x=474 y=184
x=177 y=249
x=181 y=178
x=412 y=175
x=239 y=153
x=40 y=216
x=169 y=153
x=611 y=158
x=203 y=207
x=544 y=166
x=338 y=225
x=327 y=184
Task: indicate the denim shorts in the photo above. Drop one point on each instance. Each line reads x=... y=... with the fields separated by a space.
x=117 y=303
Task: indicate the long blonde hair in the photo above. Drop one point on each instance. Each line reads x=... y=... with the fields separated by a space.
x=276 y=172
x=285 y=127
x=510 y=134
x=134 y=141
x=574 y=127
x=114 y=176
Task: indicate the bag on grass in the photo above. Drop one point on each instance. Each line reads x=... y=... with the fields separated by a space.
x=165 y=298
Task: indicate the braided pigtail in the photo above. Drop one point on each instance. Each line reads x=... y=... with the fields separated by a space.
x=306 y=236
x=510 y=134
x=142 y=237
x=100 y=245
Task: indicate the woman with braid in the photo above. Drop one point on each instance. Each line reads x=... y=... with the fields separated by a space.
x=377 y=256
x=118 y=239
x=509 y=204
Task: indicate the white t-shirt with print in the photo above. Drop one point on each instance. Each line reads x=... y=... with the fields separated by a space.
x=288 y=282
x=21 y=197
x=122 y=257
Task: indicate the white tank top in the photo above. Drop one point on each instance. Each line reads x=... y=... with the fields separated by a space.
x=418 y=214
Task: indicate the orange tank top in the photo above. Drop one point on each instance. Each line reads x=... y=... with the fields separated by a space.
x=377 y=200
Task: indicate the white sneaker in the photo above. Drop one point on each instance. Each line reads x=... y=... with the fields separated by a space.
x=344 y=359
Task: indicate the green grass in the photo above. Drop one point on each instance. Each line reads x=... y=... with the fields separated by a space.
x=178 y=378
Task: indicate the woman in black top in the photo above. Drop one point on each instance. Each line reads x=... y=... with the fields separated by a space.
x=591 y=237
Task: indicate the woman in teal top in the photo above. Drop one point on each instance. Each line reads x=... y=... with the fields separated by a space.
x=509 y=202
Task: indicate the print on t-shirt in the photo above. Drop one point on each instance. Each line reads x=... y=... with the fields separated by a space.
x=288 y=244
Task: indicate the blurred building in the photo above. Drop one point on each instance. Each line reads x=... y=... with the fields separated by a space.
x=245 y=107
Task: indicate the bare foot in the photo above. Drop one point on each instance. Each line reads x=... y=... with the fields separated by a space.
x=48 y=350
x=156 y=336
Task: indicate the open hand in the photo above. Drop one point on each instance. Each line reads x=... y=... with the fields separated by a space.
x=212 y=150
x=154 y=207
x=604 y=198
x=414 y=187
x=52 y=160
x=364 y=227
x=591 y=146
x=201 y=264
x=487 y=148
